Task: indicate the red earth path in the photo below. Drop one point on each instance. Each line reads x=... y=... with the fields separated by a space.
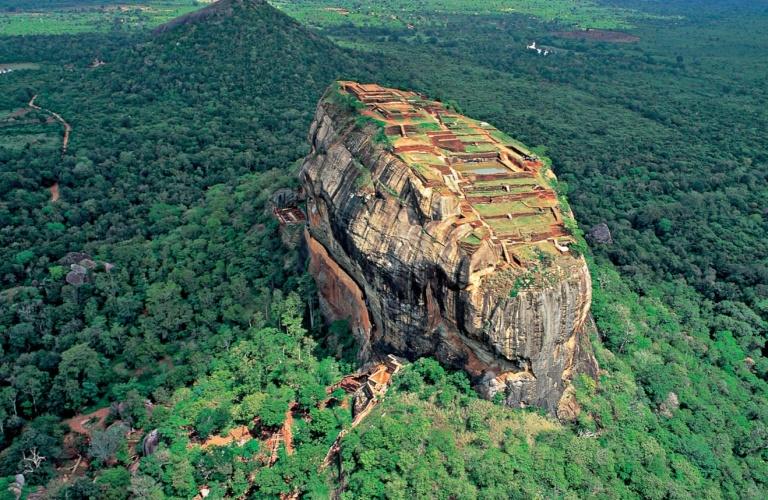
x=58 y=118
x=55 y=192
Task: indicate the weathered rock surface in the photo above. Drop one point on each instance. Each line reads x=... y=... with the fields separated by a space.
x=669 y=405
x=600 y=234
x=73 y=258
x=387 y=253
x=150 y=442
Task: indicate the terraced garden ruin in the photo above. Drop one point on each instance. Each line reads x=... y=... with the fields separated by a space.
x=504 y=191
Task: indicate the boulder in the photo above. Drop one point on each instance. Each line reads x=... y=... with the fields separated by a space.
x=600 y=234
x=76 y=279
x=73 y=258
x=88 y=264
x=670 y=404
x=150 y=442
x=284 y=197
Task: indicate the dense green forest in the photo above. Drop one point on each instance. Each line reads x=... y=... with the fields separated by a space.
x=174 y=154
x=195 y=305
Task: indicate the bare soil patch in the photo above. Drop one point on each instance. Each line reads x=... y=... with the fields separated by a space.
x=598 y=36
x=85 y=424
x=287 y=430
x=239 y=435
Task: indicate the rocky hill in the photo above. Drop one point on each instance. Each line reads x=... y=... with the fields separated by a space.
x=438 y=235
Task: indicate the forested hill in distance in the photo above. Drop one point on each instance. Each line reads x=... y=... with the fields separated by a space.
x=192 y=100
x=178 y=142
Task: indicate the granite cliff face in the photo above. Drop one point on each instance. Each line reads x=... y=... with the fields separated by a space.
x=437 y=235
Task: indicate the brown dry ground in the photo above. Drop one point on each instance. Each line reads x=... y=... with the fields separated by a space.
x=287 y=431
x=86 y=423
x=237 y=435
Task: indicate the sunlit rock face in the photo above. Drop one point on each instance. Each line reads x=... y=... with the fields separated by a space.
x=437 y=235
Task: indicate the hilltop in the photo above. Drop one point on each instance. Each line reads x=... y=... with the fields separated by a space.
x=210 y=14
x=242 y=81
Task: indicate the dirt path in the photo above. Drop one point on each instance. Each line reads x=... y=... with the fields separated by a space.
x=287 y=431
x=54 y=192
x=58 y=118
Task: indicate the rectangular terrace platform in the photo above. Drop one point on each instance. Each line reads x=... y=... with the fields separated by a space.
x=506 y=194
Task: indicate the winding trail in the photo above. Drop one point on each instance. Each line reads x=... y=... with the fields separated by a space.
x=58 y=118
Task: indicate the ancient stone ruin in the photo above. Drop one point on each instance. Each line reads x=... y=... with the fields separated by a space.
x=438 y=235
x=284 y=203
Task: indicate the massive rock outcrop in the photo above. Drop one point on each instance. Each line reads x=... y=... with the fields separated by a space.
x=437 y=235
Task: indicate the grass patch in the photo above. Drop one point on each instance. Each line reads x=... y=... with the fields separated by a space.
x=480 y=148
x=90 y=18
x=429 y=126
x=494 y=209
x=530 y=223
x=401 y=13
x=426 y=158
x=363 y=120
x=472 y=239
x=502 y=182
x=472 y=137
